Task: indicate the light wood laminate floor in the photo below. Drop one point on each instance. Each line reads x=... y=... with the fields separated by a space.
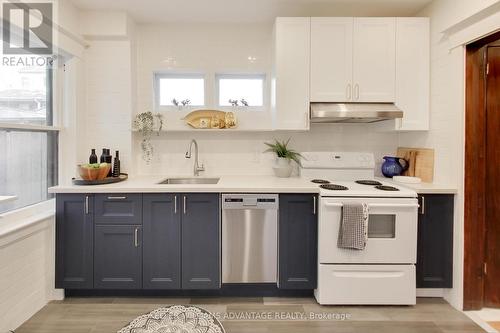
x=109 y=314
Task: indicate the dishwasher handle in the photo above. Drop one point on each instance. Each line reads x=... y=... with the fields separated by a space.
x=250 y=201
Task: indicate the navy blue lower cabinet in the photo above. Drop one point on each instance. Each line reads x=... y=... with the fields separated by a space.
x=200 y=229
x=74 y=241
x=161 y=241
x=298 y=241
x=435 y=241
x=118 y=257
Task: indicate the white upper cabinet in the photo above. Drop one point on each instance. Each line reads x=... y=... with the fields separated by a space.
x=412 y=72
x=374 y=71
x=353 y=59
x=331 y=59
x=357 y=60
x=290 y=82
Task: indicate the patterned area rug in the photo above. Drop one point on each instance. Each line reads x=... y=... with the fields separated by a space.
x=175 y=319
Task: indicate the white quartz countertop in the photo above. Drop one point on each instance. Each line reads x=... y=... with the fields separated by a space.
x=428 y=188
x=226 y=184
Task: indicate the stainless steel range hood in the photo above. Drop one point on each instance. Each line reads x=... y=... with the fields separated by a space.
x=353 y=112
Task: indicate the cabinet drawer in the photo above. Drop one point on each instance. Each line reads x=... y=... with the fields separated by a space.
x=119 y=208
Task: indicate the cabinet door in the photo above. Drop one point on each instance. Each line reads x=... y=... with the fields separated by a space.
x=290 y=86
x=331 y=59
x=298 y=239
x=200 y=241
x=118 y=257
x=374 y=59
x=161 y=241
x=118 y=208
x=435 y=241
x=74 y=241
x=412 y=72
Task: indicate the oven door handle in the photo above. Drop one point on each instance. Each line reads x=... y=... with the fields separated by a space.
x=378 y=205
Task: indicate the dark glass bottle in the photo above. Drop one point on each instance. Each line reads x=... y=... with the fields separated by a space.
x=103 y=155
x=93 y=157
x=109 y=160
x=116 y=165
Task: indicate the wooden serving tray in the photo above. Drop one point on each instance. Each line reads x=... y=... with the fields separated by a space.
x=107 y=180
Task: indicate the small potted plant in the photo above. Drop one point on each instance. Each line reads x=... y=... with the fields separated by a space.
x=284 y=157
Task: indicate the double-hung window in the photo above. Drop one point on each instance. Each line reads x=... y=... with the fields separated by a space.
x=28 y=139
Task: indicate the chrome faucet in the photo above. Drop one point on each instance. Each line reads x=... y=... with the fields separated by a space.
x=196 y=167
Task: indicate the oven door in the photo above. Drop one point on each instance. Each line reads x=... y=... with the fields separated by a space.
x=392 y=232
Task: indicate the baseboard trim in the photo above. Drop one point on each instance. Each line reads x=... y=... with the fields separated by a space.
x=227 y=290
x=430 y=292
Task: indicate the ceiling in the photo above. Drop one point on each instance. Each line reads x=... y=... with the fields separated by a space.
x=156 y=11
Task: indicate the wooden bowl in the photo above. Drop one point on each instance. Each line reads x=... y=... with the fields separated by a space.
x=94 y=173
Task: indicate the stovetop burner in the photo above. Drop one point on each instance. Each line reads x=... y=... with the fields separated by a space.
x=334 y=187
x=320 y=181
x=368 y=182
x=386 y=188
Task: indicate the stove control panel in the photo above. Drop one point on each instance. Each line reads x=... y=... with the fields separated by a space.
x=338 y=160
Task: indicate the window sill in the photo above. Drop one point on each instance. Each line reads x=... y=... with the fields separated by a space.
x=25 y=217
x=7 y=198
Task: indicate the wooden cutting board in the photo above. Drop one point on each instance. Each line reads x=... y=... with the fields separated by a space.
x=421 y=162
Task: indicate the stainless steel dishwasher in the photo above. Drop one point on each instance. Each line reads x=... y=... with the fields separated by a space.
x=249 y=238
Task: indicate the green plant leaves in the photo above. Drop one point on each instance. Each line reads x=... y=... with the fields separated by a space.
x=280 y=148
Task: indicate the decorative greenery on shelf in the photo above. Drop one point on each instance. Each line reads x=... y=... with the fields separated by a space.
x=146 y=124
x=235 y=102
x=184 y=102
x=280 y=148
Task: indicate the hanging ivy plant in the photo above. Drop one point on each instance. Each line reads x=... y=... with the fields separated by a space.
x=147 y=123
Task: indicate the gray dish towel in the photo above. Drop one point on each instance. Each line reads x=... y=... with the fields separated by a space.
x=353 y=232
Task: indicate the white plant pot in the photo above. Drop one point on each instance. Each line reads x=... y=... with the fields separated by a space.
x=283 y=167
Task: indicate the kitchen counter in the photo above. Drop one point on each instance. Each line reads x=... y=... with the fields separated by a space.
x=428 y=188
x=148 y=184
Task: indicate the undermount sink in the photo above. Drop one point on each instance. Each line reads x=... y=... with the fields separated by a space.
x=193 y=180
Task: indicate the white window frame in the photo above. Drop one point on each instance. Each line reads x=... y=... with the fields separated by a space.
x=157 y=76
x=261 y=76
x=55 y=79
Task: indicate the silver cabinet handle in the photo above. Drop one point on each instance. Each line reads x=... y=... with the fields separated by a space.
x=349 y=92
x=136 y=237
x=314 y=205
x=356 y=91
x=175 y=204
x=117 y=198
x=184 y=205
x=86 y=204
x=422 y=207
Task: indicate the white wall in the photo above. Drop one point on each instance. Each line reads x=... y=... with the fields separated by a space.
x=27 y=267
x=215 y=48
x=446 y=133
x=242 y=153
x=108 y=92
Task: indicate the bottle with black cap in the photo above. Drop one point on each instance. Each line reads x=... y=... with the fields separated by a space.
x=116 y=165
x=93 y=157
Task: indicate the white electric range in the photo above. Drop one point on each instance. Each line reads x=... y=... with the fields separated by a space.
x=382 y=273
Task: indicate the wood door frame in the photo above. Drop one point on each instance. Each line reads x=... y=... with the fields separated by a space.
x=475 y=172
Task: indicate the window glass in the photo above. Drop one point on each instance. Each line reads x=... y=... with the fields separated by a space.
x=28 y=166
x=245 y=90
x=24 y=97
x=181 y=90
